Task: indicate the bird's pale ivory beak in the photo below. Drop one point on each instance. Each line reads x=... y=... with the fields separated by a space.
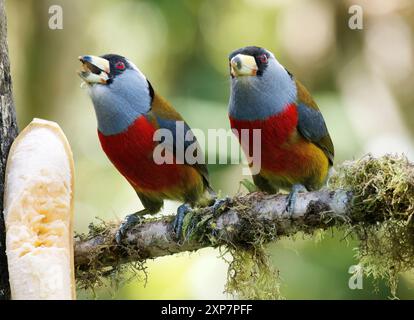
x=243 y=65
x=94 y=69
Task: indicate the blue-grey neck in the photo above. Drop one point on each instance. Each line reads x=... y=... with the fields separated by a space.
x=259 y=97
x=120 y=103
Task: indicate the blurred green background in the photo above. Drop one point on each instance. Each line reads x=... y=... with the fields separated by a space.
x=363 y=81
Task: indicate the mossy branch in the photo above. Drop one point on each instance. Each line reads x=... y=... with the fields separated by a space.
x=374 y=198
x=239 y=223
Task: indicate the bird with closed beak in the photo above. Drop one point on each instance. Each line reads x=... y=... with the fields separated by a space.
x=296 y=149
x=129 y=112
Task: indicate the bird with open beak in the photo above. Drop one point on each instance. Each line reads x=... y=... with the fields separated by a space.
x=128 y=112
x=296 y=149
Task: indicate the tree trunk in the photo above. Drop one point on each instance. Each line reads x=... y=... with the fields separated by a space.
x=8 y=131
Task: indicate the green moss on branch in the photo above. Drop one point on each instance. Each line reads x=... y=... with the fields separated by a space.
x=382 y=213
x=373 y=198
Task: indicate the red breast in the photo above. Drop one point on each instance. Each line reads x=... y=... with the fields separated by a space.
x=278 y=151
x=132 y=154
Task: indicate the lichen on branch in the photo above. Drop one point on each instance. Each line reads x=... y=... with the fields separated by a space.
x=372 y=198
x=383 y=206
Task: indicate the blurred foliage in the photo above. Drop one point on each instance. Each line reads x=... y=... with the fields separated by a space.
x=361 y=79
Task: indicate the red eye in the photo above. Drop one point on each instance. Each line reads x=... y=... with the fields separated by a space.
x=263 y=58
x=120 y=65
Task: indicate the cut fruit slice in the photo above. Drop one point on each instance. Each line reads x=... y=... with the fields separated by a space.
x=38 y=210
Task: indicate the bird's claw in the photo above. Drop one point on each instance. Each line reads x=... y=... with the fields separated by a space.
x=290 y=202
x=179 y=219
x=129 y=221
x=291 y=198
x=220 y=203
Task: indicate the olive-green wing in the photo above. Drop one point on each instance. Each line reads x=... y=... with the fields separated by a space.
x=164 y=116
x=311 y=124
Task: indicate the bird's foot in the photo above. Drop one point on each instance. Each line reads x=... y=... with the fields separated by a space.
x=291 y=198
x=219 y=204
x=129 y=221
x=179 y=219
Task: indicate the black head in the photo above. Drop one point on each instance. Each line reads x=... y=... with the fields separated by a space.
x=260 y=55
x=118 y=64
x=103 y=69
